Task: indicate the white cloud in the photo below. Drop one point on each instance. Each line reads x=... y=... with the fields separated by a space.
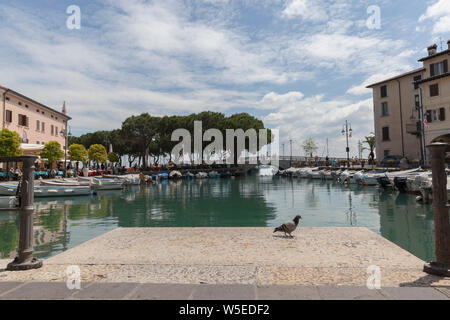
x=439 y=13
x=312 y=10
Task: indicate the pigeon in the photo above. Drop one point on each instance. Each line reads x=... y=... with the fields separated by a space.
x=288 y=227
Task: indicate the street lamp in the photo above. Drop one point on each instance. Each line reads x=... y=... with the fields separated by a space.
x=66 y=136
x=347 y=129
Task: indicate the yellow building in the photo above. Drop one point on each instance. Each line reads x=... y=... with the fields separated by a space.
x=411 y=110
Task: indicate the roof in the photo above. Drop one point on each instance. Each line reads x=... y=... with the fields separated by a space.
x=35 y=102
x=434 y=78
x=398 y=77
x=436 y=55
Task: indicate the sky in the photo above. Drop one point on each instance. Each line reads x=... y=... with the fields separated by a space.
x=301 y=66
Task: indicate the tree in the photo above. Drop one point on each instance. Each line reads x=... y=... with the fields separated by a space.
x=52 y=152
x=371 y=143
x=10 y=144
x=309 y=146
x=78 y=152
x=141 y=130
x=113 y=157
x=97 y=153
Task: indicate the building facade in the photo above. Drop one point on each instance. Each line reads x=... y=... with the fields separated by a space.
x=411 y=110
x=35 y=122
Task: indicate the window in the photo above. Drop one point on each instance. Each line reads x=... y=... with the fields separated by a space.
x=383 y=91
x=428 y=116
x=438 y=68
x=417 y=101
x=23 y=120
x=20 y=103
x=8 y=116
x=42 y=142
x=37 y=142
x=434 y=90
x=52 y=130
x=38 y=125
x=385 y=133
x=26 y=106
x=434 y=115
x=7 y=99
x=43 y=126
x=417 y=78
x=37 y=110
x=384 y=109
x=56 y=131
x=442 y=114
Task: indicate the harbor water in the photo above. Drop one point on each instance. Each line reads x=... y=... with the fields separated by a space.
x=252 y=201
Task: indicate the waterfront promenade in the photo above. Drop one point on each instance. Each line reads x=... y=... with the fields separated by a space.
x=234 y=263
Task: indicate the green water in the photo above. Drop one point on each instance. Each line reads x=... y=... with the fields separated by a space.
x=62 y=223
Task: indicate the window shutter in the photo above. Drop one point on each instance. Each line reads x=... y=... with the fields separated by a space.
x=432 y=70
x=442 y=114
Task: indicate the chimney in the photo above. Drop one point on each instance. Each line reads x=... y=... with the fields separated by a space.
x=432 y=50
x=64 y=110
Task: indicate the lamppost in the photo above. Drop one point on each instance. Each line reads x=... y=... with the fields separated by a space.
x=66 y=136
x=347 y=129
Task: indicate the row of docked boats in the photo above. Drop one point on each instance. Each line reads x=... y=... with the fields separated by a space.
x=416 y=181
x=73 y=187
x=175 y=174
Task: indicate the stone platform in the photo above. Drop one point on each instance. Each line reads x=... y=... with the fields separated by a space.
x=235 y=256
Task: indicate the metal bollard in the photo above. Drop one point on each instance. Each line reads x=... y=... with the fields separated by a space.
x=25 y=259
x=441 y=266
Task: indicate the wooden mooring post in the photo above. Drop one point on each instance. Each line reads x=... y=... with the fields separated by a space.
x=24 y=259
x=441 y=266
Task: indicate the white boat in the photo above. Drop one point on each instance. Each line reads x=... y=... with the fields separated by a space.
x=8 y=202
x=100 y=183
x=307 y=172
x=128 y=179
x=175 y=174
x=348 y=177
x=370 y=178
x=201 y=175
x=317 y=174
x=48 y=191
x=387 y=179
x=267 y=171
x=63 y=182
x=336 y=174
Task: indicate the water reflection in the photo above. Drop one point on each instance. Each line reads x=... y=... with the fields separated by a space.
x=62 y=223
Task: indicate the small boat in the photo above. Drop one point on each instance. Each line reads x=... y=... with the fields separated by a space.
x=267 y=171
x=317 y=174
x=336 y=174
x=48 y=191
x=201 y=175
x=163 y=175
x=100 y=183
x=8 y=202
x=175 y=174
x=386 y=181
x=128 y=179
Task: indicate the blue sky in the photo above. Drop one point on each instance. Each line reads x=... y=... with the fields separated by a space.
x=299 y=65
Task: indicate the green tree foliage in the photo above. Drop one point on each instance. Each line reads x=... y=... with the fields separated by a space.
x=371 y=144
x=113 y=157
x=78 y=152
x=52 y=152
x=10 y=144
x=97 y=153
x=309 y=146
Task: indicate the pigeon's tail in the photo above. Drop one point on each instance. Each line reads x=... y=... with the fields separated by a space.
x=278 y=229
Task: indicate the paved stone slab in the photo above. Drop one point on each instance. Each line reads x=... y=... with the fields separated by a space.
x=312 y=247
x=224 y=292
x=40 y=291
x=163 y=292
x=105 y=291
x=349 y=293
x=287 y=293
x=6 y=286
x=412 y=293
